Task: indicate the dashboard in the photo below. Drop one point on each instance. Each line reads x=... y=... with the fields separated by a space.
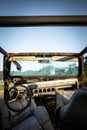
x=52 y=87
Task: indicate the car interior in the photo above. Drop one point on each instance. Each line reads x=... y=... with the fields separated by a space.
x=48 y=94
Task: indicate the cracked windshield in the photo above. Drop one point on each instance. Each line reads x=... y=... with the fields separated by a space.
x=44 y=66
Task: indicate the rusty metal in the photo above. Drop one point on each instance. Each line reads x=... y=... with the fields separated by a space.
x=3 y=51
x=22 y=21
x=43 y=54
x=83 y=51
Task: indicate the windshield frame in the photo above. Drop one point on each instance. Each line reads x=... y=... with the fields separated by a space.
x=40 y=54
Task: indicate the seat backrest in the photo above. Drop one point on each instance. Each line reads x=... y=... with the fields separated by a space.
x=38 y=121
x=10 y=119
x=74 y=113
x=32 y=118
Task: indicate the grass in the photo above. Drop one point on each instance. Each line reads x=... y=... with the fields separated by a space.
x=1 y=87
x=85 y=77
x=85 y=70
x=85 y=82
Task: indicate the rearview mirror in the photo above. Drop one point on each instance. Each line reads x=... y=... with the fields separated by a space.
x=43 y=60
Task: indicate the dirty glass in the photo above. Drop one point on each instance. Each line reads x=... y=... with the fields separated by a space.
x=44 y=66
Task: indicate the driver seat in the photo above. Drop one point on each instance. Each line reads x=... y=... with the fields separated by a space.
x=32 y=118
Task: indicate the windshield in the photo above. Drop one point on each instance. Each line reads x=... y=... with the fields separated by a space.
x=44 y=66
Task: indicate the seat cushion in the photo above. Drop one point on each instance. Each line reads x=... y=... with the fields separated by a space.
x=38 y=121
x=43 y=118
x=62 y=97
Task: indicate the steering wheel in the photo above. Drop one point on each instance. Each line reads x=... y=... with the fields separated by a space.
x=18 y=98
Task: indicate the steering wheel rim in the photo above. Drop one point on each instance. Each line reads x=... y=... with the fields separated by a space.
x=7 y=99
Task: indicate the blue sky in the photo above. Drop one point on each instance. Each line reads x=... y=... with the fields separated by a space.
x=43 y=38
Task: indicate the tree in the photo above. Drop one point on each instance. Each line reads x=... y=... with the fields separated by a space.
x=85 y=61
